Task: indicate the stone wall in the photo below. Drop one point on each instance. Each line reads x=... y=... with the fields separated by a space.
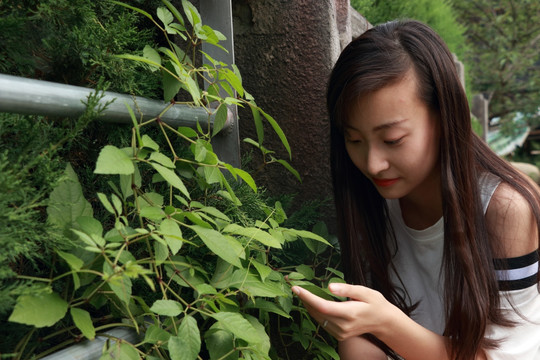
x=285 y=51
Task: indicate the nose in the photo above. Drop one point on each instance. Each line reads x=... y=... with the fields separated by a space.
x=376 y=161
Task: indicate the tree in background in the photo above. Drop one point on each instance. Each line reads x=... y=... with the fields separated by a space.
x=438 y=14
x=503 y=53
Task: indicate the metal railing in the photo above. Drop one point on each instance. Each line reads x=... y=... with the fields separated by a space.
x=36 y=97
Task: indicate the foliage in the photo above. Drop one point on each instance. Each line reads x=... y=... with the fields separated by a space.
x=504 y=38
x=30 y=166
x=74 y=41
x=175 y=259
x=438 y=14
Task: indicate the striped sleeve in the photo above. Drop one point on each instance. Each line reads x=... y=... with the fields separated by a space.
x=517 y=273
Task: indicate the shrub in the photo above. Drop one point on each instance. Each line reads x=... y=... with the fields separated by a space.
x=176 y=257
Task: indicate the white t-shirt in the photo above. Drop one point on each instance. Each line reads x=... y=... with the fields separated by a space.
x=418 y=263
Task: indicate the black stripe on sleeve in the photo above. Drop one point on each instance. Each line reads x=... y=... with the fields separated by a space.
x=516 y=262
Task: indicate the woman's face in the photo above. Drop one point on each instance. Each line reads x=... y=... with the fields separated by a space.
x=393 y=138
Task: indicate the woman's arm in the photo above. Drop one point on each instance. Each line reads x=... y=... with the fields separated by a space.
x=369 y=312
x=358 y=347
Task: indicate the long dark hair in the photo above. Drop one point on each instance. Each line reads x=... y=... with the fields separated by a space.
x=378 y=58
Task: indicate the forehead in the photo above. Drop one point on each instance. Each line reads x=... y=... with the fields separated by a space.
x=390 y=103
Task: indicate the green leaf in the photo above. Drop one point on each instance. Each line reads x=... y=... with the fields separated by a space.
x=307 y=271
x=262 y=269
x=175 y=11
x=268 y=306
x=112 y=160
x=171 y=84
x=200 y=150
x=118 y=206
x=250 y=284
x=215 y=213
x=253 y=233
x=152 y=213
x=164 y=15
x=74 y=262
x=191 y=340
x=278 y=131
x=152 y=55
x=121 y=286
x=150 y=199
x=90 y=225
x=172 y=234
x=220 y=343
x=239 y=326
x=336 y=272
x=225 y=247
x=147 y=142
x=197 y=220
x=127 y=181
x=133 y=8
x=67 y=202
x=83 y=321
x=234 y=80
x=167 y=307
x=191 y=12
x=308 y=235
x=220 y=118
x=106 y=203
x=40 y=310
x=162 y=159
x=187 y=132
x=212 y=175
x=156 y=334
x=295 y=276
x=247 y=178
x=204 y=289
x=161 y=252
x=290 y=168
x=138 y=59
x=171 y=177
x=263 y=346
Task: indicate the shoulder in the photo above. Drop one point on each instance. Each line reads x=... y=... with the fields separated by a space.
x=511 y=223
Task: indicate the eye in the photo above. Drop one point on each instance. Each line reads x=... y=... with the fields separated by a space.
x=394 y=141
x=352 y=141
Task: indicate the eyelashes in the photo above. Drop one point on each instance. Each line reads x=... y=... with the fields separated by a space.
x=390 y=142
x=395 y=141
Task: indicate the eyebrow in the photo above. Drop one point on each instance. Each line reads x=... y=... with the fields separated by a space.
x=387 y=125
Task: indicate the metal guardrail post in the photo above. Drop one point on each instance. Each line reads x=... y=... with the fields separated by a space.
x=218 y=15
x=36 y=97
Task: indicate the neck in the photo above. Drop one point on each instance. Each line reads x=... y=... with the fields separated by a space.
x=422 y=209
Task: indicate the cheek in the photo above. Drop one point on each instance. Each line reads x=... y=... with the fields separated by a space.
x=356 y=156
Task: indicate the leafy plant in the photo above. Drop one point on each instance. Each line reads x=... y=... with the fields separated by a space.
x=171 y=260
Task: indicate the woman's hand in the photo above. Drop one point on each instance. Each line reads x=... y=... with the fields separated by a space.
x=367 y=311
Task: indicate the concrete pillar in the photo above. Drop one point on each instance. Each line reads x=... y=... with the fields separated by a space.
x=285 y=51
x=460 y=69
x=479 y=109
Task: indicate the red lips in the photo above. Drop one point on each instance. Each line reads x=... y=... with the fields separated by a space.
x=385 y=182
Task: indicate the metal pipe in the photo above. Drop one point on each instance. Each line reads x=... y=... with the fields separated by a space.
x=37 y=97
x=91 y=350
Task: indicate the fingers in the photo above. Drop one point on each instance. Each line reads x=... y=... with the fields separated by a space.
x=354 y=292
x=319 y=307
x=310 y=299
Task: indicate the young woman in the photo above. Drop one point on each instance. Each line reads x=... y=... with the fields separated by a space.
x=439 y=236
